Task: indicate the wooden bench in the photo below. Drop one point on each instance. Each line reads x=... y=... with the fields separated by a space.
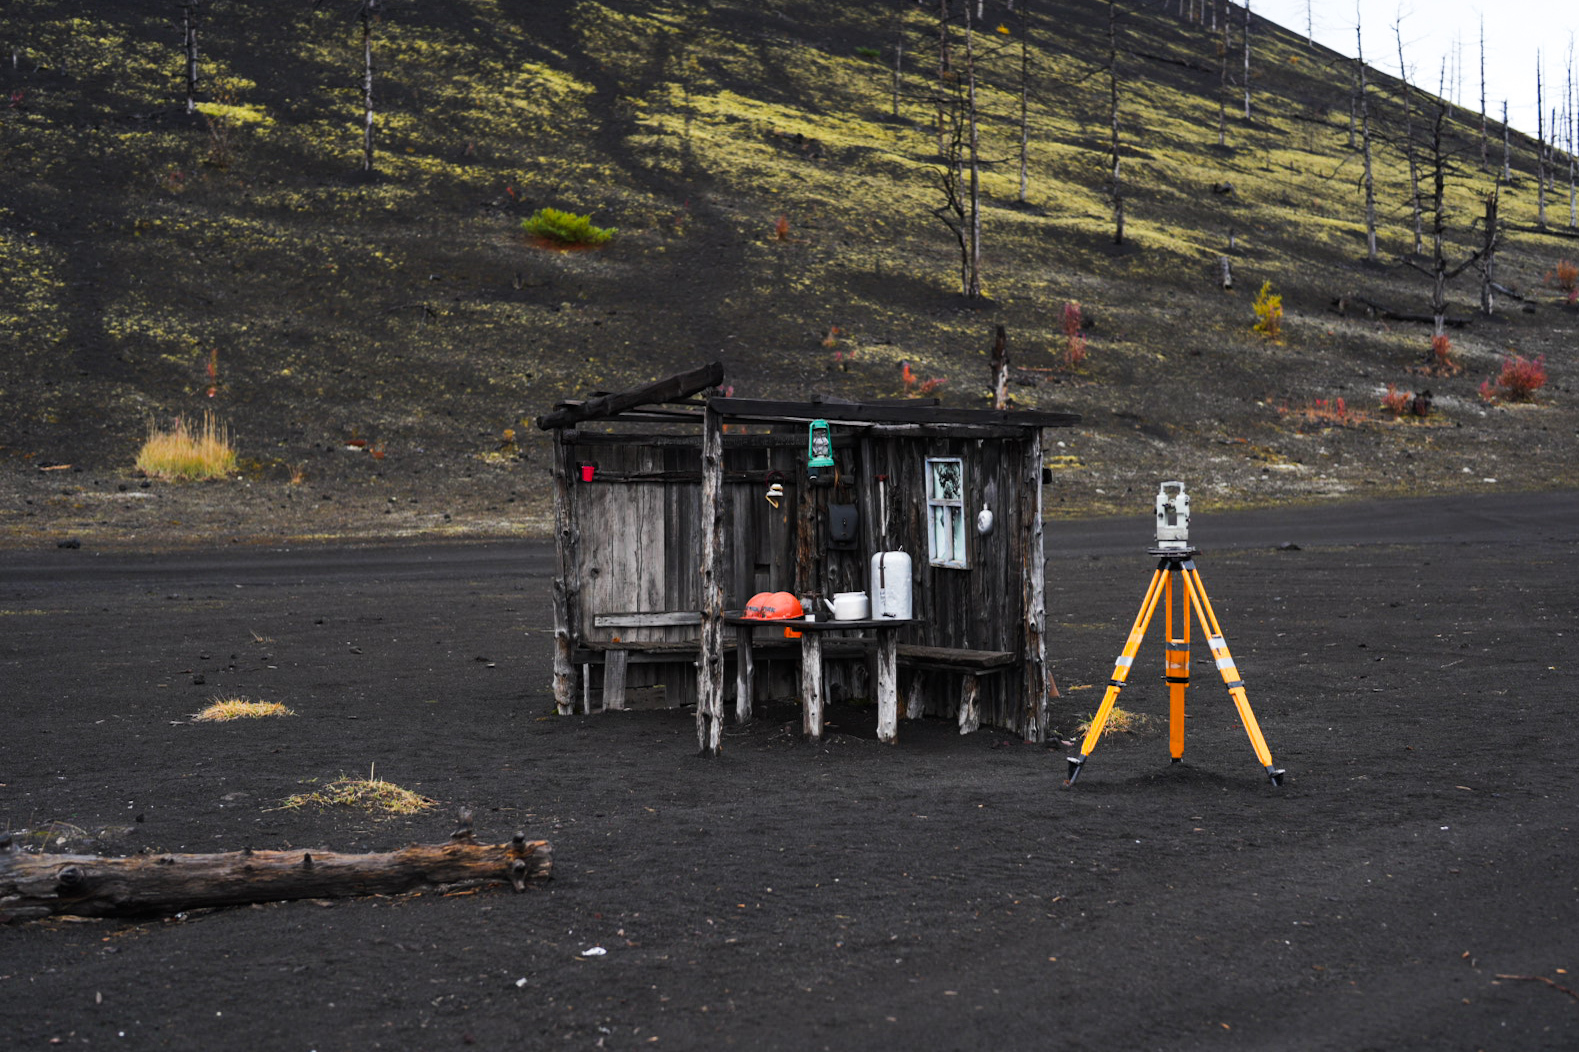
x=970 y=664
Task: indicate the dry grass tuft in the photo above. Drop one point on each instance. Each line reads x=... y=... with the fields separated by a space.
x=182 y=453
x=366 y=794
x=1119 y=721
x=222 y=710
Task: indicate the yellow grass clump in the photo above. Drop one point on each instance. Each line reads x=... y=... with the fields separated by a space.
x=184 y=453
x=367 y=794
x=222 y=710
x=1119 y=721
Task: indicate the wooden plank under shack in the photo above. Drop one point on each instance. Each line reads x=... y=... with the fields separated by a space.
x=1037 y=684
x=566 y=587
x=887 y=688
x=811 y=686
x=710 y=670
x=745 y=673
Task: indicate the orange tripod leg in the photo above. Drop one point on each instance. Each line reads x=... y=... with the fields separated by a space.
x=1177 y=671
x=1196 y=591
x=1121 y=669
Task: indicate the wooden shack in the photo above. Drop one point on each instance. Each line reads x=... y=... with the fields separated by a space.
x=675 y=504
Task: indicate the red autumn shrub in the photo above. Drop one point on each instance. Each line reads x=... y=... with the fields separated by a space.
x=1520 y=378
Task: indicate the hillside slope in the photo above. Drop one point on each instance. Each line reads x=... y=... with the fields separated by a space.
x=158 y=263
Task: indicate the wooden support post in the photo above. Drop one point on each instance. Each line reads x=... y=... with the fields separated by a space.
x=916 y=698
x=888 y=685
x=615 y=665
x=566 y=586
x=970 y=705
x=710 y=665
x=1036 y=683
x=745 y=673
x=811 y=685
x=807 y=544
x=1000 y=369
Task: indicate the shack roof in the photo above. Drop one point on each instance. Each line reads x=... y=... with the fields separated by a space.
x=673 y=399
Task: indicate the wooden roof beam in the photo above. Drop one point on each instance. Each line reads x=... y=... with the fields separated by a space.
x=669 y=389
x=888 y=413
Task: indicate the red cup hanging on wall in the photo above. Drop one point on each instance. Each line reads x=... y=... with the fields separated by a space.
x=587 y=471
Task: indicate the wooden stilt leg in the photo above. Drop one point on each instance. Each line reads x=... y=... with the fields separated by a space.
x=970 y=706
x=916 y=697
x=887 y=686
x=745 y=673
x=811 y=685
x=615 y=666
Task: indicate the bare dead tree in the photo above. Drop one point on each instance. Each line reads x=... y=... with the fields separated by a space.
x=1117 y=187
x=1491 y=240
x=366 y=13
x=973 y=141
x=959 y=175
x=191 y=15
x=1222 y=86
x=1570 y=119
x=1409 y=139
x=954 y=211
x=945 y=73
x=1247 y=59
x=1441 y=271
x=1540 y=148
x=1507 y=147
x=1354 y=108
x=1025 y=91
x=899 y=60
x=1482 y=90
x=1369 y=180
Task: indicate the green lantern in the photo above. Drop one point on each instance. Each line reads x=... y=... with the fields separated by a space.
x=819 y=454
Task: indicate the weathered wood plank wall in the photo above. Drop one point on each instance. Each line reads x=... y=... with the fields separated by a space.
x=638 y=531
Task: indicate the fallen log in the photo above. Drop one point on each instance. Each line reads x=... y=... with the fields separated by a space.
x=39 y=885
x=1342 y=303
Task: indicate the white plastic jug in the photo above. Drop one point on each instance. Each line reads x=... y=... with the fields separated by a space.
x=891 y=585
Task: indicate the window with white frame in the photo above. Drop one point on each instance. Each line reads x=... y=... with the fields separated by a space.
x=946 y=512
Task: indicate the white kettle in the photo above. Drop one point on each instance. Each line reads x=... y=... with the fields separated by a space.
x=849 y=606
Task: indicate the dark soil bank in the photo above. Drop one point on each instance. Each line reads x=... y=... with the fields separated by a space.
x=1410 y=664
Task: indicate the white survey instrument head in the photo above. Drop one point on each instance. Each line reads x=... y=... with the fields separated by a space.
x=1173 y=516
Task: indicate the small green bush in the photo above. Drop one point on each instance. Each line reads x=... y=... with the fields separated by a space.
x=566 y=227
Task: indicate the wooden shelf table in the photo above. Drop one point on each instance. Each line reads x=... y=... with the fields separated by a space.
x=886 y=632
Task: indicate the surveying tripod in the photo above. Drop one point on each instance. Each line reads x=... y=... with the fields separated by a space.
x=1176 y=560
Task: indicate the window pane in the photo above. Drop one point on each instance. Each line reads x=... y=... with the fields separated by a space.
x=945 y=489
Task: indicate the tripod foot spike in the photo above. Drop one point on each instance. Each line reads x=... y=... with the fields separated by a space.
x=1075 y=763
x=1275 y=774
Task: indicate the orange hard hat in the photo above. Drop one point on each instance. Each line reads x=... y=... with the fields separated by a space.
x=783 y=605
x=773 y=606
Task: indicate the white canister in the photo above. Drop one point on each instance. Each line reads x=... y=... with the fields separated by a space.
x=891 y=585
